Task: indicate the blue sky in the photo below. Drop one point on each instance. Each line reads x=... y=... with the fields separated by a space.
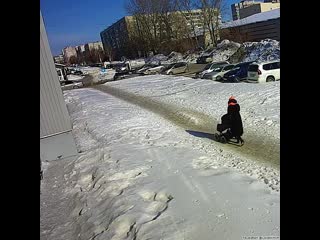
x=75 y=22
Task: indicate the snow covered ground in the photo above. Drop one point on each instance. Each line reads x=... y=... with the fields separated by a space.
x=148 y=170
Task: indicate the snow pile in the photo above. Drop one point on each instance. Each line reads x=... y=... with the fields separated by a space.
x=156 y=59
x=191 y=57
x=173 y=57
x=224 y=50
x=136 y=63
x=265 y=50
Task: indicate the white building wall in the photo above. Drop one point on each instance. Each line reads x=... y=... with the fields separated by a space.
x=54 y=116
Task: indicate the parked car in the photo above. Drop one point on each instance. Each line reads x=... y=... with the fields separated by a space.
x=166 y=67
x=181 y=67
x=238 y=73
x=154 y=70
x=264 y=72
x=209 y=68
x=218 y=72
x=145 y=68
x=68 y=85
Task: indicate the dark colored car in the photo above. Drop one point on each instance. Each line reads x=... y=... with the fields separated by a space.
x=239 y=73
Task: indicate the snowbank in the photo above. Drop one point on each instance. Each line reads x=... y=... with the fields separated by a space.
x=173 y=57
x=156 y=59
x=224 y=50
x=265 y=50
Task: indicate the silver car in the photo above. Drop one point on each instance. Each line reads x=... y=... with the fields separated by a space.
x=209 y=68
x=218 y=72
x=181 y=67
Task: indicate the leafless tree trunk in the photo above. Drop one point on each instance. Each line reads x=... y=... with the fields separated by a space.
x=185 y=8
x=211 y=15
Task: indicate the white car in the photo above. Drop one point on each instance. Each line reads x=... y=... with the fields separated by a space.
x=264 y=72
x=154 y=70
x=218 y=72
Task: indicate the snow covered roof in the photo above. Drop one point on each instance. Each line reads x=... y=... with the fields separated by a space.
x=259 y=17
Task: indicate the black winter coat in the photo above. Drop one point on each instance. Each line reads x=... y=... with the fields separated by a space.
x=235 y=120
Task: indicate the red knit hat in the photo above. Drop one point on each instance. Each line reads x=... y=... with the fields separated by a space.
x=232 y=101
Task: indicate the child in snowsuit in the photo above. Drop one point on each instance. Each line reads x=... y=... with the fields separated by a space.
x=232 y=120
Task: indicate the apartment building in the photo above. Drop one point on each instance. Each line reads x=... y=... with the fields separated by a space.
x=68 y=52
x=245 y=9
x=117 y=36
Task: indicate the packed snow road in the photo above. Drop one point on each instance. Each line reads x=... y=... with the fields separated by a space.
x=200 y=124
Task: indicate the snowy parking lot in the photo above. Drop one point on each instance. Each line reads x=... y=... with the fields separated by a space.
x=147 y=168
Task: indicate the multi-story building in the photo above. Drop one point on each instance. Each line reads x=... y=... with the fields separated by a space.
x=235 y=8
x=59 y=58
x=95 y=45
x=245 y=9
x=80 y=50
x=117 y=36
x=68 y=52
x=258 y=8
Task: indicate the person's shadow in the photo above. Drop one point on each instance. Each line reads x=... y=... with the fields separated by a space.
x=210 y=136
x=200 y=134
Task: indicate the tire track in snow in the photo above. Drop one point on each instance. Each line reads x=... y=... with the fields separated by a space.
x=256 y=147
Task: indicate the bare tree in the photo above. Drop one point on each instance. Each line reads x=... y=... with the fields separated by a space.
x=211 y=10
x=73 y=60
x=146 y=17
x=186 y=8
x=156 y=25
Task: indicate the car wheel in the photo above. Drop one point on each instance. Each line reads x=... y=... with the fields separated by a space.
x=237 y=79
x=75 y=87
x=170 y=73
x=270 y=79
x=218 y=78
